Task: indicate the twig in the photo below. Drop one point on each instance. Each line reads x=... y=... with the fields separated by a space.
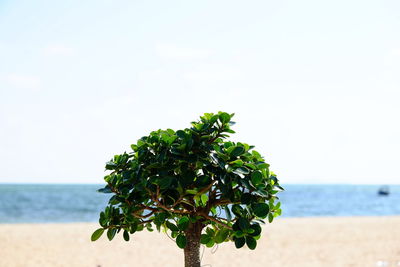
x=216 y=220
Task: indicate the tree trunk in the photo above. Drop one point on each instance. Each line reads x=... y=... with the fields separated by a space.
x=192 y=249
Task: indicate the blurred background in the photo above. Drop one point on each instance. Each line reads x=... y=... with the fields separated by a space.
x=314 y=86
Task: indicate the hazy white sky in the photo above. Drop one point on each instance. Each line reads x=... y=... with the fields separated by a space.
x=315 y=85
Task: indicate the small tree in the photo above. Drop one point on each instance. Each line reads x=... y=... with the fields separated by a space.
x=194 y=185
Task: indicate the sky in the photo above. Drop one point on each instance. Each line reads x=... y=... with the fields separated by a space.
x=315 y=85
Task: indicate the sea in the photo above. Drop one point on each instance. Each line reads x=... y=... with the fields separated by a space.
x=56 y=203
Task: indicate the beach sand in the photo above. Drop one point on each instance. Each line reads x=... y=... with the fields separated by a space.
x=352 y=241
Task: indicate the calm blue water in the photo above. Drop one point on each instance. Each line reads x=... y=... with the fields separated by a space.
x=81 y=203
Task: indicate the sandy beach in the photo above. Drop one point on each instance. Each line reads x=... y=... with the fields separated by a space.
x=352 y=241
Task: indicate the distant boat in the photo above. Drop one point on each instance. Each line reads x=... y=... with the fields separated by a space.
x=384 y=191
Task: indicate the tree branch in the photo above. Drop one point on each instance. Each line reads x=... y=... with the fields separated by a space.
x=160 y=205
x=142 y=216
x=216 y=220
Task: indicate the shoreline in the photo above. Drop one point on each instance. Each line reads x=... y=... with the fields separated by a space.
x=305 y=241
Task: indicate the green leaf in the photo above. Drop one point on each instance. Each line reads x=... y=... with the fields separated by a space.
x=257 y=229
x=97 y=234
x=103 y=220
x=237 y=151
x=204 y=239
x=174 y=234
x=237 y=210
x=214 y=118
x=261 y=166
x=149 y=228
x=243 y=223
x=228 y=145
x=134 y=227
x=256 y=155
x=210 y=243
x=110 y=165
x=237 y=163
x=191 y=191
x=246 y=198
x=256 y=178
x=213 y=211
x=140 y=227
x=261 y=210
x=113 y=200
x=279 y=212
x=218 y=160
x=181 y=134
x=126 y=235
x=181 y=241
x=111 y=233
x=159 y=218
x=171 y=226
x=229 y=131
x=210 y=232
x=203 y=180
x=251 y=242
x=250 y=231
x=239 y=242
x=204 y=199
x=280 y=187
x=183 y=223
x=154 y=165
x=251 y=166
x=105 y=190
x=164 y=182
x=270 y=217
x=221 y=235
x=261 y=193
x=224 y=117
x=197 y=201
x=241 y=170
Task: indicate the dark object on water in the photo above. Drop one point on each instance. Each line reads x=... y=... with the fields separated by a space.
x=383 y=191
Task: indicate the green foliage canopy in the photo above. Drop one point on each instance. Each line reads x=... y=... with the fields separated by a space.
x=173 y=179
